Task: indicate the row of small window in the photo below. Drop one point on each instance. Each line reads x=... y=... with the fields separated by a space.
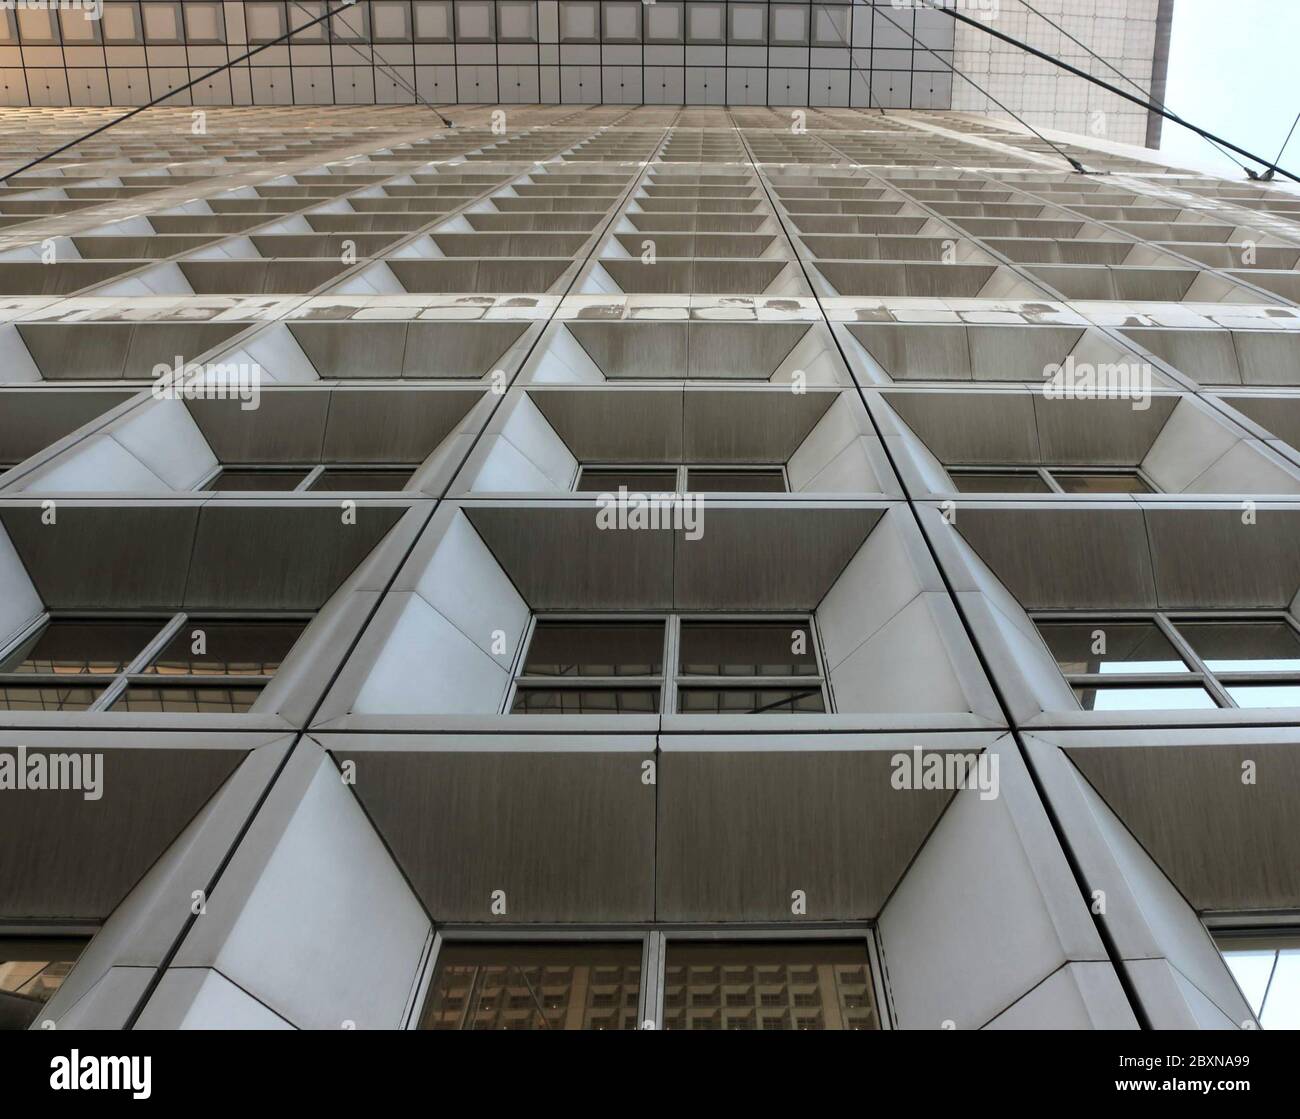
x=182 y=664
x=708 y=985
x=717 y=666
x=575 y=985
x=1051 y=479
x=317 y=479
x=1162 y=661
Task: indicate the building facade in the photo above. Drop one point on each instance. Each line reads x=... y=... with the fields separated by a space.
x=643 y=567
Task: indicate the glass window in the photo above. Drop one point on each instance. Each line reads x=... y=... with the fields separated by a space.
x=31 y=970
x=1228 y=646
x=596 y=649
x=999 y=481
x=1267 y=969
x=190 y=701
x=747 y=649
x=335 y=480
x=1111 y=647
x=256 y=478
x=608 y=479
x=790 y=985
x=72 y=647
x=35 y=697
x=1265 y=695
x=1143 y=699
x=579 y=986
x=1110 y=482
x=227 y=648
x=750 y=701
x=701 y=479
x=532 y=700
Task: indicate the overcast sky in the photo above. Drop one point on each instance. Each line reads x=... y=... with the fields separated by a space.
x=1234 y=69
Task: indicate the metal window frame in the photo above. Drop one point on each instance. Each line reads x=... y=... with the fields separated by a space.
x=313 y=475
x=1047 y=473
x=655 y=939
x=681 y=471
x=1198 y=673
x=670 y=679
x=114 y=684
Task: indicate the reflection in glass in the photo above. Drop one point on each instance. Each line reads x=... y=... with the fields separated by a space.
x=579 y=986
x=219 y=648
x=595 y=649
x=585 y=701
x=1271 y=646
x=1005 y=481
x=1110 y=647
x=747 y=649
x=74 y=647
x=750 y=701
x=191 y=701
x=1100 y=483
x=746 y=985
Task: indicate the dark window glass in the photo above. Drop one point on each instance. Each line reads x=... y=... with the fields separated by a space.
x=191 y=701
x=999 y=482
x=219 y=648
x=586 y=986
x=595 y=649
x=335 y=481
x=74 y=647
x=1110 y=647
x=1244 y=646
x=585 y=701
x=54 y=698
x=747 y=649
x=31 y=970
x=1100 y=483
x=792 y=985
x=750 y=701
x=701 y=480
x=1144 y=699
x=609 y=479
x=253 y=479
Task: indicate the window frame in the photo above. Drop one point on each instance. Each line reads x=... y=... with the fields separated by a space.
x=682 y=473
x=1198 y=673
x=671 y=678
x=114 y=684
x=313 y=475
x=1046 y=474
x=655 y=939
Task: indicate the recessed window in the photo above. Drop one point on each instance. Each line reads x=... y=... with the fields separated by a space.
x=343 y=479
x=328 y=479
x=1266 y=966
x=183 y=664
x=580 y=986
x=31 y=970
x=723 y=666
x=244 y=479
x=1050 y=479
x=682 y=479
x=789 y=985
x=1172 y=662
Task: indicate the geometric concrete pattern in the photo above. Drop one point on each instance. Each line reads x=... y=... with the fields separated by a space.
x=642 y=567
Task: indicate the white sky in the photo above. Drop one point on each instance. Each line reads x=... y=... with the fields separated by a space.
x=1234 y=69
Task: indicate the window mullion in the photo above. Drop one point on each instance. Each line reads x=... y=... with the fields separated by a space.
x=1185 y=650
